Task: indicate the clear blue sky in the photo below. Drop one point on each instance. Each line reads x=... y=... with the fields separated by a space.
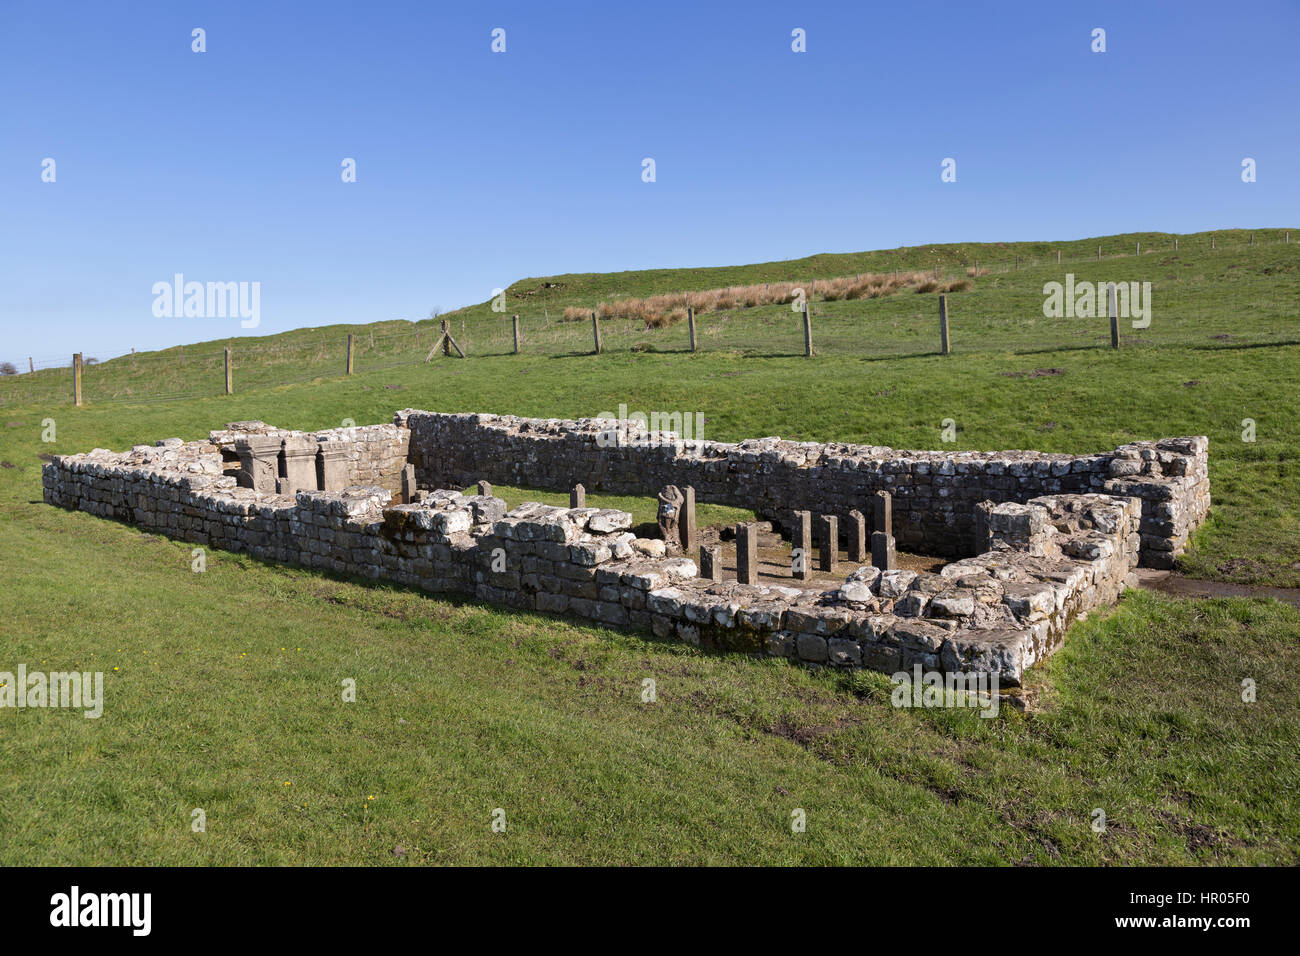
x=475 y=169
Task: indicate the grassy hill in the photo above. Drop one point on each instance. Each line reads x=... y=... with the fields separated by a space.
x=223 y=687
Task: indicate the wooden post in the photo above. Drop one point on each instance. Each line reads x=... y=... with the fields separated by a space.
x=1114 y=317
x=1139 y=252
x=943 y=325
x=350 y=344
x=372 y=338
x=1211 y=242
x=230 y=381
x=31 y=366
x=1175 y=245
x=1252 y=238
x=807 y=332
x=1058 y=257
x=515 y=323
x=1099 y=253
x=690 y=321
x=595 y=330
x=76 y=379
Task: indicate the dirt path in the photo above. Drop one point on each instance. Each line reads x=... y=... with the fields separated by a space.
x=1167 y=582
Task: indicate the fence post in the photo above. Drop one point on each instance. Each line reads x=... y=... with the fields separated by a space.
x=230 y=382
x=1252 y=238
x=807 y=332
x=1175 y=245
x=1114 y=317
x=515 y=323
x=31 y=366
x=349 y=353
x=446 y=338
x=1058 y=257
x=595 y=330
x=943 y=324
x=1139 y=252
x=1211 y=242
x=1099 y=253
x=690 y=321
x=76 y=378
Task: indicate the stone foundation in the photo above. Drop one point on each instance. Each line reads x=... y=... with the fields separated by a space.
x=1027 y=567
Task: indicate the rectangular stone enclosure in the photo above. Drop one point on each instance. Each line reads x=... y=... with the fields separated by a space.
x=1034 y=539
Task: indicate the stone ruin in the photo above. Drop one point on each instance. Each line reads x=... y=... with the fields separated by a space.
x=1033 y=540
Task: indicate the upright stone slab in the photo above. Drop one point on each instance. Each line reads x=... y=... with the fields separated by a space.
x=686 y=523
x=830 y=529
x=408 y=484
x=746 y=553
x=711 y=563
x=883 y=507
x=259 y=462
x=332 y=465
x=859 y=549
x=299 y=464
x=801 y=558
x=578 y=497
x=882 y=551
x=485 y=489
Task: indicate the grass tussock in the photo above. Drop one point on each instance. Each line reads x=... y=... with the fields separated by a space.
x=658 y=311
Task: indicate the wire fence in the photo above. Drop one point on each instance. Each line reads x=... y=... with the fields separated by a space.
x=1004 y=309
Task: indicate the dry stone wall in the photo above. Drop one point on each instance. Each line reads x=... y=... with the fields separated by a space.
x=1040 y=563
x=935 y=494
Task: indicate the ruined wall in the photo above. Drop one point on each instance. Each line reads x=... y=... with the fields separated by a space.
x=262 y=456
x=935 y=494
x=999 y=612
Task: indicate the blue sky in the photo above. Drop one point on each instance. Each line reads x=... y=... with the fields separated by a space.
x=475 y=169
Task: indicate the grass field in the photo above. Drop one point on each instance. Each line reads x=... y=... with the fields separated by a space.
x=223 y=688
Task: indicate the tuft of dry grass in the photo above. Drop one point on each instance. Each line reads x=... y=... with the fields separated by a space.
x=659 y=311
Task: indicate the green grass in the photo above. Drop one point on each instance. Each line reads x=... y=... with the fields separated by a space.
x=228 y=683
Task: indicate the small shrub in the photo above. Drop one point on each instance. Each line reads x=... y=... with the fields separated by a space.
x=8 y=368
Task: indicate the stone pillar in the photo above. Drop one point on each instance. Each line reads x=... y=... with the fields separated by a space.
x=578 y=497
x=711 y=563
x=882 y=535
x=259 y=462
x=883 y=504
x=802 y=557
x=859 y=549
x=983 y=526
x=746 y=553
x=485 y=489
x=686 y=524
x=408 y=484
x=830 y=529
x=332 y=465
x=299 y=464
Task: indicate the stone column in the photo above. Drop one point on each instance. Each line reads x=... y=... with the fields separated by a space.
x=882 y=535
x=830 y=528
x=802 y=557
x=670 y=511
x=259 y=462
x=859 y=549
x=578 y=497
x=711 y=563
x=408 y=484
x=332 y=465
x=485 y=489
x=746 y=554
x=299 y=464
x=686 y=524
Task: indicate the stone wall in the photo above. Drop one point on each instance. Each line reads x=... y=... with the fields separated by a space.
x=935 y=494
x=1041 y=563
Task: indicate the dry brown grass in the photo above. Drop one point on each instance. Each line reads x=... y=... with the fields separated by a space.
x=659 y=311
